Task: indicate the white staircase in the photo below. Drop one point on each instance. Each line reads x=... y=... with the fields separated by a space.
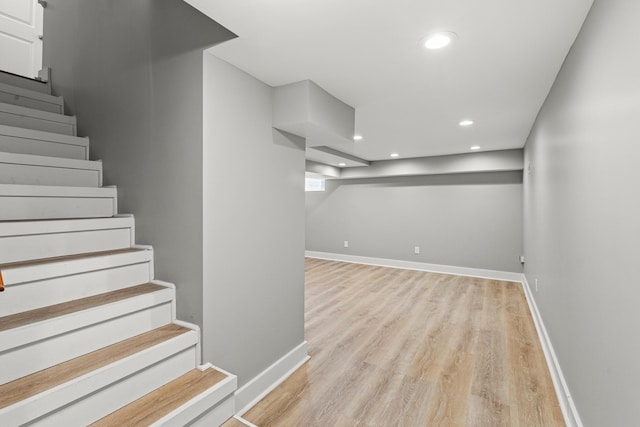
x=86 y=333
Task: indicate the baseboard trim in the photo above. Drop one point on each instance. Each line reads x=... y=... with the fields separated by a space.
x=569 y=410
x=256 y=389
x=421 y=266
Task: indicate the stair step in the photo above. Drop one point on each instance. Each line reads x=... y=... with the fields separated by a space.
x=31 y=99
x=169 y=398
x=38 y=315
x=40 y=283
x=28 y=141
x=34 y=240
x=46 y=391
x=29 y=169
x=91 y=323
x=75 y=257
x=27 y=202
x=26 y=82
x=29 y=118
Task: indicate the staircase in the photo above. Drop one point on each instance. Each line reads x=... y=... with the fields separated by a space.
x=87 y=336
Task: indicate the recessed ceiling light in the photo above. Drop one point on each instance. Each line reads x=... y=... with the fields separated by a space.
x=357 y=137
x=475 y=147
x=394 y=155
x=342 y=164
x=439 y=40
x=466 y=122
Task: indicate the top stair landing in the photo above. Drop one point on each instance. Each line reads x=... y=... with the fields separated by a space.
x=41 y=86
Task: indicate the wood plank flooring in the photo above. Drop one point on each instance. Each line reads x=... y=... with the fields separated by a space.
x=392 y=347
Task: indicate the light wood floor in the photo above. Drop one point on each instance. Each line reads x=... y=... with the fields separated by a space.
x=393 y=347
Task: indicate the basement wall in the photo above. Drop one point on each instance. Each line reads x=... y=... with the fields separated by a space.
x=582 y=215
x=469 y=220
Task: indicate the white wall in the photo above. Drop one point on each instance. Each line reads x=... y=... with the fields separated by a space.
x=464 y=220
x=253 y=196
x=582 y=215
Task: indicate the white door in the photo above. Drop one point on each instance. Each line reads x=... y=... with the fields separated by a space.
x=20 y=31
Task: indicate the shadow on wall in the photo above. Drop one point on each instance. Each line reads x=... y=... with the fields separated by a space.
x=483 y=178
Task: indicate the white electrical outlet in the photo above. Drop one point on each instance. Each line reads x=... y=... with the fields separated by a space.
x=346 y=243
x=416 y=249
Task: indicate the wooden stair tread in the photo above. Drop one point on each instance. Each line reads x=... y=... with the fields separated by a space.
x=38 y=382
x=57 y=310
x=66 y=258
x=163 y=400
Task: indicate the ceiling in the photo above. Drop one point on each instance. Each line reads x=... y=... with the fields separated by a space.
x=409 y=100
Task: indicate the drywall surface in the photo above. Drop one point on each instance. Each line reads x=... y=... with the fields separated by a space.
x=132 y=73
x=253 y=225
x=582 y=211
x=464 y=220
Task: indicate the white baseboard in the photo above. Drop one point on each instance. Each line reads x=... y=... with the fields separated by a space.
x=256 y=389
x=421 y=266
x=569 y=410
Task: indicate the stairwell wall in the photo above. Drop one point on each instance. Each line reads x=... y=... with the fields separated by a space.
x=132 y=73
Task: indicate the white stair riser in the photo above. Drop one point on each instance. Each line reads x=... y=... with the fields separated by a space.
x=40 y=355
x=50 y=328
x=35 y=100
x=136 y=374
x=14 y=208
x=67 y=267
x=45 y=292
x=38 y=246
x=43 y=148
x=26 y=141
x=35 y=123
x=45 y=175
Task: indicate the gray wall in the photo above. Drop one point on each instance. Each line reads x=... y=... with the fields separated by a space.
x=253 y=225
x=466 y=220
x=582 y=213
x=132 y=73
